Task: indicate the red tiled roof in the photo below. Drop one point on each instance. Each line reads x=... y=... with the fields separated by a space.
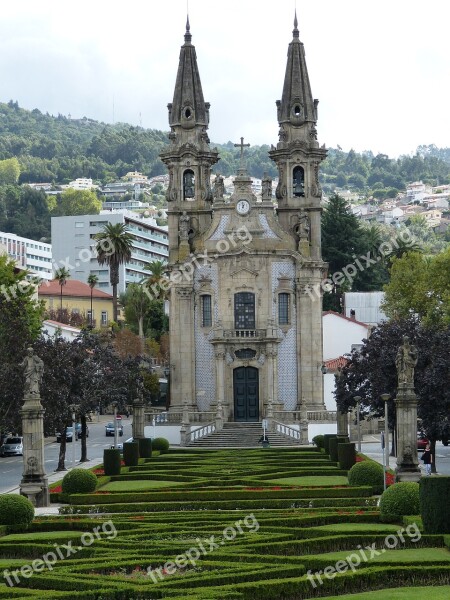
x=334 y=363
x=73 y=288
x=331 y=312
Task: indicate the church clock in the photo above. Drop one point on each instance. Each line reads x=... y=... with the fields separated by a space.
x=242 y=207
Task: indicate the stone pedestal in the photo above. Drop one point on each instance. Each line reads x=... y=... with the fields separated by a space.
x=34 y=484
x=342 y=423
x=138 y=420
x=407 y=459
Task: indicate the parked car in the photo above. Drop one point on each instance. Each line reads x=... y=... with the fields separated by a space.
x=12 y=446
x=109 y=428
x=69 y=433
x=422 y=440
x=120 y=446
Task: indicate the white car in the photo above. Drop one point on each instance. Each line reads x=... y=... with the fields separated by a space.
x=12 y=446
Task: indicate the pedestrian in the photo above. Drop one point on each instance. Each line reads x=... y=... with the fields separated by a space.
x=427 y=458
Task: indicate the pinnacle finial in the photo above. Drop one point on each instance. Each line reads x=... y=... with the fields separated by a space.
x=187 y=35
x=295 y=31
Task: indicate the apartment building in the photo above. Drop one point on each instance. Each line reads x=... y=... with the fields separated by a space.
x=29 y=254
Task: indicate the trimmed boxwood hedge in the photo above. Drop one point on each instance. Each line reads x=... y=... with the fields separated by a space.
x=161 y=444
x=346 y=455
x=131 y=454
x=367 y=472
x=399 y=500
x=145 y=447
x=318 y=440
x=15 y=510
x=434 y=494
x=112 y=461
x=79 y=481
x=333 y=448
x=326 y=440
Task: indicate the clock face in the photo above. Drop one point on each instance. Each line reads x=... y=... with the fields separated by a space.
x=243 y=206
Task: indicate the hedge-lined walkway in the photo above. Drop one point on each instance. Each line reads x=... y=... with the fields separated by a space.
x=260 y=524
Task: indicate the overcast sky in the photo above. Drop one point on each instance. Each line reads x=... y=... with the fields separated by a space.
x=381 y=70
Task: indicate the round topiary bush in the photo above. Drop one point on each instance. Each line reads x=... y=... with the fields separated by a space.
x=399 y=500
x=160 y=444
x=15 y=510
x=367 y=472
x=79 y=481
x=432 y=492
x=112 y=461
x=318 y=440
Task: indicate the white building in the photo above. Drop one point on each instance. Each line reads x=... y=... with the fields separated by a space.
x=82 y=183
x=74 y=242
x=29 y=254
x=416 y=191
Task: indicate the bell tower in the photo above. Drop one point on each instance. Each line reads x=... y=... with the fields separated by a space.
x=298 y=155
x=188 y=158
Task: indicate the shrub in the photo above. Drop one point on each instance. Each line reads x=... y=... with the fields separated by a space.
x=433 y=492
x=399 y=500
x=368 y=472
x=333 y=448
x=326 y=441
x=346 y=455
x=112 y=461
x=318 y=440
x=15 y=510
x=79 y=481
x=160 y=444
x=131 y=454
x=145 y=447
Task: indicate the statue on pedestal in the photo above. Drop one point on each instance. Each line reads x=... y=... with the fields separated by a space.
x=33 y=369
x=405 y=362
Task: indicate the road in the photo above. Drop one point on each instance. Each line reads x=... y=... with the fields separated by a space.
x=372 y=449
x=11 y=467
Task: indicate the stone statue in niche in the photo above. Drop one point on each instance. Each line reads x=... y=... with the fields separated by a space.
x=266 y=187
x=405 y=362
x=33 y=369
x=219 y=187
x=304 y=225
x=184 y=226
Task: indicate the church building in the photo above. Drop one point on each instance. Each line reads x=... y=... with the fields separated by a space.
x=245 y=329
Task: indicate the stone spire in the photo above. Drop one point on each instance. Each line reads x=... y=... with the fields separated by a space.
x=296 y=105
x=188 y=108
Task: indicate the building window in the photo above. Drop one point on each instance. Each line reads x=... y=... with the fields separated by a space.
x=244 y=310
x=79 y=224
x=89 y=316
x=283 y=308
x=298 y=177
x=206 y=311
x=104 y=317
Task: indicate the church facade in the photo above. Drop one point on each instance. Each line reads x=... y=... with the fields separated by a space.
x=245 y=326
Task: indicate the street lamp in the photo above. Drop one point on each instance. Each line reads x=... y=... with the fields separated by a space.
x=167 y=376
x=115 y=426
x=358 y=421
x=385 y=398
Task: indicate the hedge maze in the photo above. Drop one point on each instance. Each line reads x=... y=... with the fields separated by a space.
x=264 y=524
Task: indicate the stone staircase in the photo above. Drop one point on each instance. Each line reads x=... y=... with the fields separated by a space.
x=241 y=435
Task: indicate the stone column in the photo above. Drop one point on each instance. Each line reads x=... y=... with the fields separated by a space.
x=185 y=429
x=34 y=484
x=407 y=459
x=220 y=378
x=342 y=423
x=138 y=419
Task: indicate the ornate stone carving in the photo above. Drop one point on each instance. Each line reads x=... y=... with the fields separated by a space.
x=219 y=188
x=183 y=292
x=183 y=230
x=266 y=193
x=405 y=362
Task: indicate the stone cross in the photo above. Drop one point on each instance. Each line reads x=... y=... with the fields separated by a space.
x=242 y=146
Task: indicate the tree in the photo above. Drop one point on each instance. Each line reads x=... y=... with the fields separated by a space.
x=92 y=282
x=9 y=170
x=419 y=285
x=114 y=244
x=62 y=275
x=156 y=282
x=20 y=325
x=137 y=303
x=78 y=202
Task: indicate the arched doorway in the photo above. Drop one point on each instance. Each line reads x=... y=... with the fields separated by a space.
x=246 y=394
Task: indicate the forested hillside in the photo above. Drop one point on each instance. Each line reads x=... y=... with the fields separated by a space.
x=59 y=149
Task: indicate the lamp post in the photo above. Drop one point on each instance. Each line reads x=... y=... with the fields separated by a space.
x=115 y=425
x=385 y=398
x=73 y=408
x=167 y=375
x=358 y=421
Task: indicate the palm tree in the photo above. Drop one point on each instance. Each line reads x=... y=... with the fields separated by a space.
x=62 y=275
x=156 y=279
x=92 y=282
x=114 y=245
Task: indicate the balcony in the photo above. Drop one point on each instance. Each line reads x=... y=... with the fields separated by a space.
x=244 y=333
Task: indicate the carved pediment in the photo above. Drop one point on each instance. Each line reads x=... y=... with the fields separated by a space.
x=244 y=270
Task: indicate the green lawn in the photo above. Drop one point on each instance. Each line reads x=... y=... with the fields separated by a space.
x=137 y=486
x=407 y=593
x=322 y=480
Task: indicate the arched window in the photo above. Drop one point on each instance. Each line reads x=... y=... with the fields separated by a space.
x=298 y=179
x=283 y=308
x=206 y=310
x=244 y=310
x=188 y=184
